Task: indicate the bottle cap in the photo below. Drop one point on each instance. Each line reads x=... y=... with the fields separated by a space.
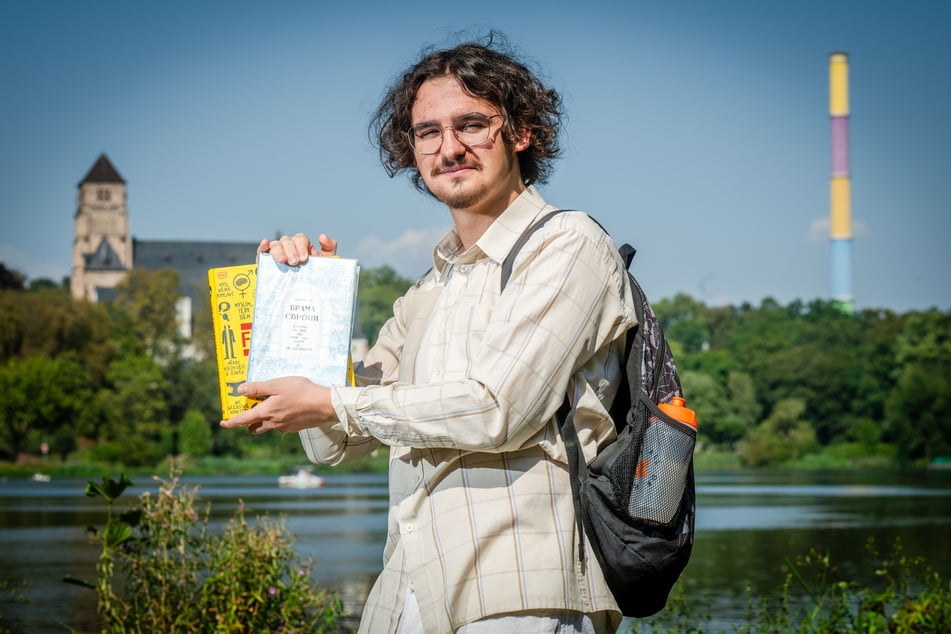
x=676 y=409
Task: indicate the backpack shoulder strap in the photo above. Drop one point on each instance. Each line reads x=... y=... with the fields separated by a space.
x=627 y=251
x=577 y=468
x=509 y=260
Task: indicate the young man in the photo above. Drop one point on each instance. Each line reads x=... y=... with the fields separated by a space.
x=465 y=380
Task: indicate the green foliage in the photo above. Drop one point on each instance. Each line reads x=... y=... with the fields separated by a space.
x=10 y=279
x=51 y=323
x=379 y=288
x=783 y=437
x=194 y=435
x=144 y=312
x=192 y=385
x=816 y=599
x=181 y=577
x=40 y=393
x=134 y=412
x=684 y=321
x=728 y=409
x=874 y=386
x=918 y=408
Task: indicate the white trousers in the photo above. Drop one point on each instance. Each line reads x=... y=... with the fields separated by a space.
x=549 y=622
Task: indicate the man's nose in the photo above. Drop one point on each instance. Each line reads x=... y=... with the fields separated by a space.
x=451 y=146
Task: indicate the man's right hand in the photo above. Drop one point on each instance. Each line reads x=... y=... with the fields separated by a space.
x=294 y=250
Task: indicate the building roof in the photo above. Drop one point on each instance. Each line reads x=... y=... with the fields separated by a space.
x=192 y=260
x=104 y=258
x=102 y=172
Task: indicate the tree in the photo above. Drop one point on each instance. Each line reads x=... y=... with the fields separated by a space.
x=684 y=321
x=706 y=396
x=783 y=437
x=50 y=322
x=41 y=393
x=194 y=435
x=135 y=412
x=10 y=279
x=44 y=284
x=379 y=289
x=918 y=408
x=725 y=413
x=145 y=311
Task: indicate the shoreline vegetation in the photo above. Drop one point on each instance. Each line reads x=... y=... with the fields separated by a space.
x=94 y=387
x=378 y=463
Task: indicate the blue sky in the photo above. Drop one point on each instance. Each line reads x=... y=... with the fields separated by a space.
x=697 y=131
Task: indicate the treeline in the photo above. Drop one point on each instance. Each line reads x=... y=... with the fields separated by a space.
x=802 y=384
x=117 y=384
x=809 y=384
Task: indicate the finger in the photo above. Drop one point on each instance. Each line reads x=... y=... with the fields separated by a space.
x=257 y=390
x=289 y=248
x=246 y=418
x=302 y=246
x=328 y=246
x=265 y=246
x=276 y=249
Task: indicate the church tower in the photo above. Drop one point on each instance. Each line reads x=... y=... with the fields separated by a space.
x=102 y=243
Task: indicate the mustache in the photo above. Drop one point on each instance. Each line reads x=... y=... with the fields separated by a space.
x=446 y=165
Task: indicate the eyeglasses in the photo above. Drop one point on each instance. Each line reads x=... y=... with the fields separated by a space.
x=469 y=129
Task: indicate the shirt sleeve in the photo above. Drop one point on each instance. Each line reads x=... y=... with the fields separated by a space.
x=566 y=302
x=335 y=444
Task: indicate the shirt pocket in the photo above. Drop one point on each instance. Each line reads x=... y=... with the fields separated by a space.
x=456 y=338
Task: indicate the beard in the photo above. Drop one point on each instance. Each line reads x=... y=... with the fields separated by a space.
x=464 y=193
x=457 y=194
x=461 y=195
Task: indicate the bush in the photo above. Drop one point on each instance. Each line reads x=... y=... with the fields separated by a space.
x=179 y=577
x=195 y=435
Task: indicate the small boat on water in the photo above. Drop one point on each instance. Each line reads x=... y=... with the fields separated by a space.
x=303 y=478
x=40 y=477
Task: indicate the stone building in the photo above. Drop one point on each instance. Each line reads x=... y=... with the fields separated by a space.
x=104 y=249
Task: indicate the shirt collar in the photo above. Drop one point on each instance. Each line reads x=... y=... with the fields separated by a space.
x=500 y=236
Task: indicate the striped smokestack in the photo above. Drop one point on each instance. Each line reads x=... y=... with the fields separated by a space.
x=840 y=186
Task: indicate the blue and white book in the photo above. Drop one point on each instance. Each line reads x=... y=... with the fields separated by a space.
x=303 y=320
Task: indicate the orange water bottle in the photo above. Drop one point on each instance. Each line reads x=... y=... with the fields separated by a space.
x=663 y=463
x=678 y=410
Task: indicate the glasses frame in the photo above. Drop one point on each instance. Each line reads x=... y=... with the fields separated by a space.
x=411 y=135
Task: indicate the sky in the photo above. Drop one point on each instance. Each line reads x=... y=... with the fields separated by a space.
x=697 y=131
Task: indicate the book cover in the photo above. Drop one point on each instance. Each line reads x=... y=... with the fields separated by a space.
x=303 y=320
x=232 y=307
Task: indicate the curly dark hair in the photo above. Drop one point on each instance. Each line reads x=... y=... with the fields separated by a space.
x=486 y=71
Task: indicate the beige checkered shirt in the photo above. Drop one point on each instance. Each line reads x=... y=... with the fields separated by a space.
x=481 y=519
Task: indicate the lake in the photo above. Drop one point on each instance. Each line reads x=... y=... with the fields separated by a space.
x=750 y=524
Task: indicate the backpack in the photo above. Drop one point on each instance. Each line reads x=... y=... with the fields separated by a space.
x=639 y=521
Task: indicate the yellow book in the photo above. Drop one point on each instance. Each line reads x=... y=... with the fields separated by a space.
x=232 y=291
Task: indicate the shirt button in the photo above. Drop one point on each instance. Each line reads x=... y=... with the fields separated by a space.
x=410 y=528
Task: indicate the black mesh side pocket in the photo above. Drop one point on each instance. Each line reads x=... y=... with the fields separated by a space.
x=660 y=471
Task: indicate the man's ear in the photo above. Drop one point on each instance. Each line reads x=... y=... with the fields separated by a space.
x=523 y=139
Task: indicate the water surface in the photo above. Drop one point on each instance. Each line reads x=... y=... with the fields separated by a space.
x=750 y=527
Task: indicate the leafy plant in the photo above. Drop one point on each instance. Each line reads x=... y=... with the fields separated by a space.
x=177 y=576
x=815 y=599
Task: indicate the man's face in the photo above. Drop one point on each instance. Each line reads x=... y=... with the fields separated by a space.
x=482 y=178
